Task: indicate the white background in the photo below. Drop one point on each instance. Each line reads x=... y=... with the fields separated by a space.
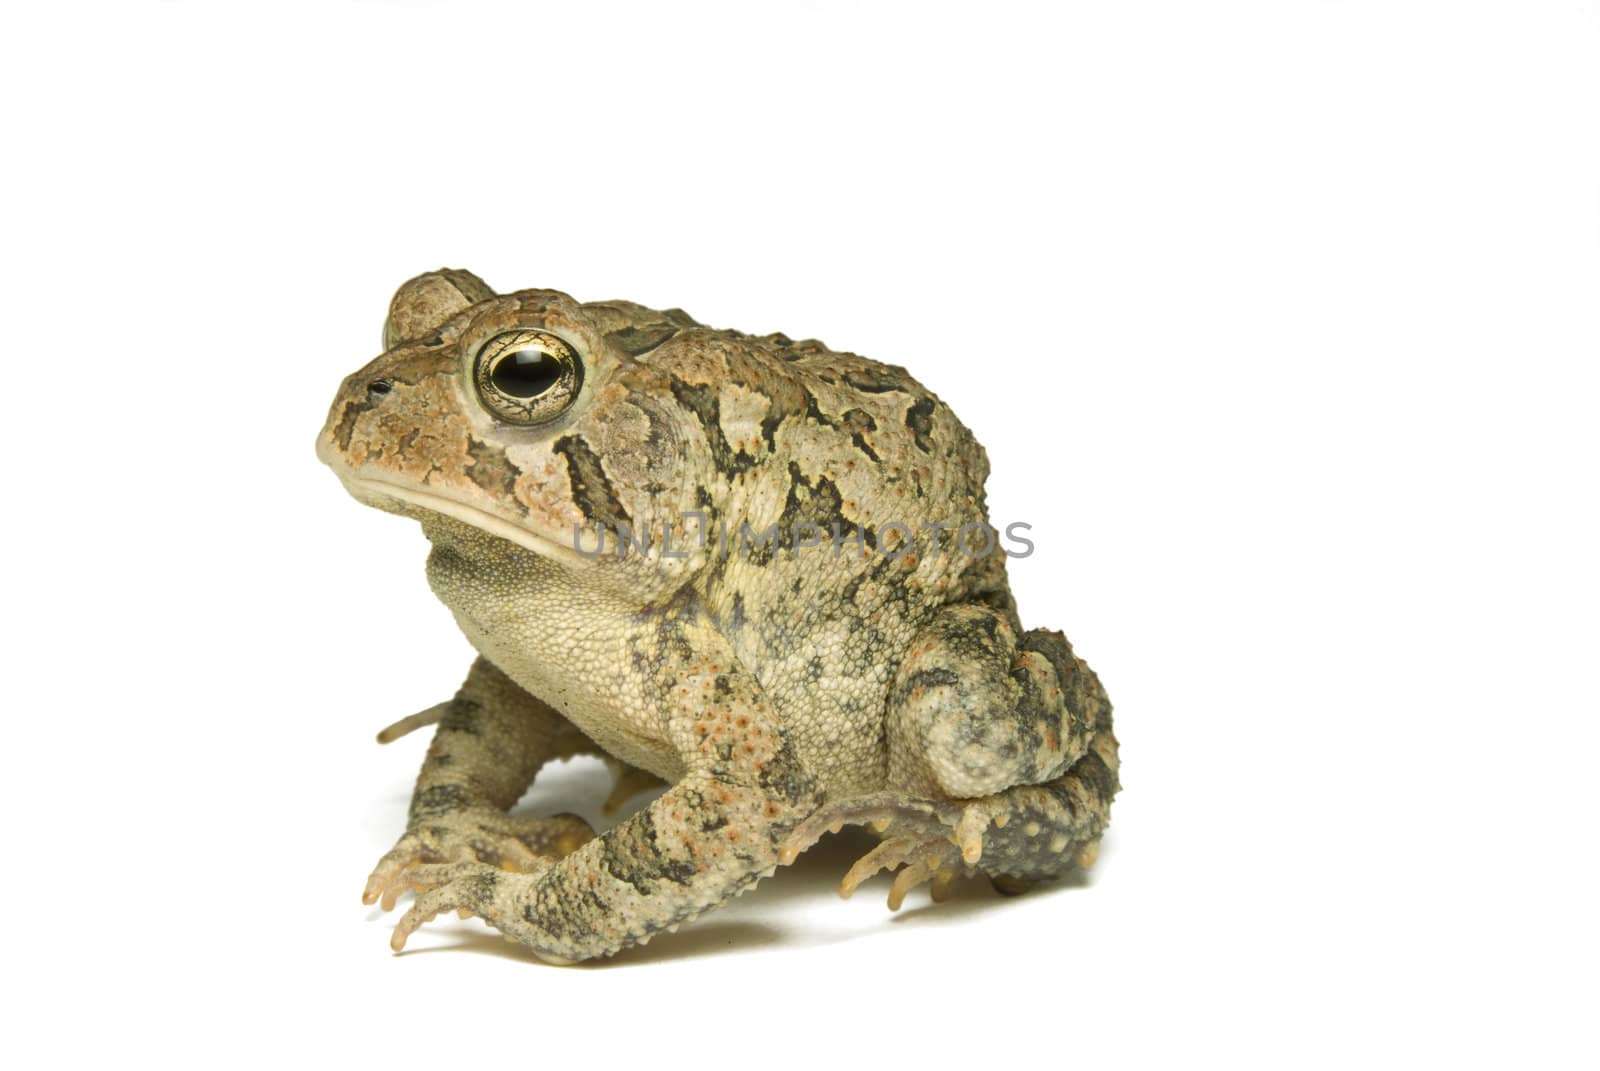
x=1279 y=321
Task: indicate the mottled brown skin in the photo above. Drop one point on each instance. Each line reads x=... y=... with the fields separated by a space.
x=779 y=692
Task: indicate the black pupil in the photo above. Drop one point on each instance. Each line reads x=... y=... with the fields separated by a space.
x=526 y=373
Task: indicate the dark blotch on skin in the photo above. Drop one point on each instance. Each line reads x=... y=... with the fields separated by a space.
x=890 y=379
x=591 y=489
x=660 y=441
x=818 y=504
x=736 y=616
x=1092 y=770
x=563 y=915
x=638 y=339
x=769 y=427
x=436 y=800
x=702 y=402
x=632 y=855
x=919 y=418
x=786 y=778
x=813 y=412
x=856 y=421
x=480 y=887
x=707 y=818
x=1081 y=691
x=346 y=428
x=932 y=678
x=491 y=470
x=461 y=716
x=860 y=422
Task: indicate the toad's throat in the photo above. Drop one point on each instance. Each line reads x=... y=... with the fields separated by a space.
x=408 y=501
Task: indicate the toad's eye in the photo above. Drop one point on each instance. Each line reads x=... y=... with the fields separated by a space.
x=527 y=377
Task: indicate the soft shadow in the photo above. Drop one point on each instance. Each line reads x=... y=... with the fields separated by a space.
x=705 y=938
x=482 y=942
x=709 y=939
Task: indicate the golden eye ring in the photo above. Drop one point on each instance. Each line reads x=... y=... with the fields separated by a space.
x=527 y=377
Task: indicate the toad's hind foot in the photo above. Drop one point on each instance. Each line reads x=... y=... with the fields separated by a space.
x=922 y=860
x=932 y=841
x=1019 y=837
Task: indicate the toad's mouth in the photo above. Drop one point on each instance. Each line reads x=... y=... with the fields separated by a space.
x=411 y=502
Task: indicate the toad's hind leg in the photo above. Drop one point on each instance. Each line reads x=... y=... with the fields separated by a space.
x=976 y=709
x=1001 y=759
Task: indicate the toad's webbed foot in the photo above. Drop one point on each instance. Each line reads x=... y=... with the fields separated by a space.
x=481 y=836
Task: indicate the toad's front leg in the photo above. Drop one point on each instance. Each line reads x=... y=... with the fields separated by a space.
x=492 y=739
x=710 y=837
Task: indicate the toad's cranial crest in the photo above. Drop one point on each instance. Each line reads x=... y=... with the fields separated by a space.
x=779 y=693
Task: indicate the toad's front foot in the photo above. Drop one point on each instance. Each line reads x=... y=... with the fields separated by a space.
x=933 y=841
x=477 y=835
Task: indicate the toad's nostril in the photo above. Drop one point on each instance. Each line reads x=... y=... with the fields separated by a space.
x=379 y=386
